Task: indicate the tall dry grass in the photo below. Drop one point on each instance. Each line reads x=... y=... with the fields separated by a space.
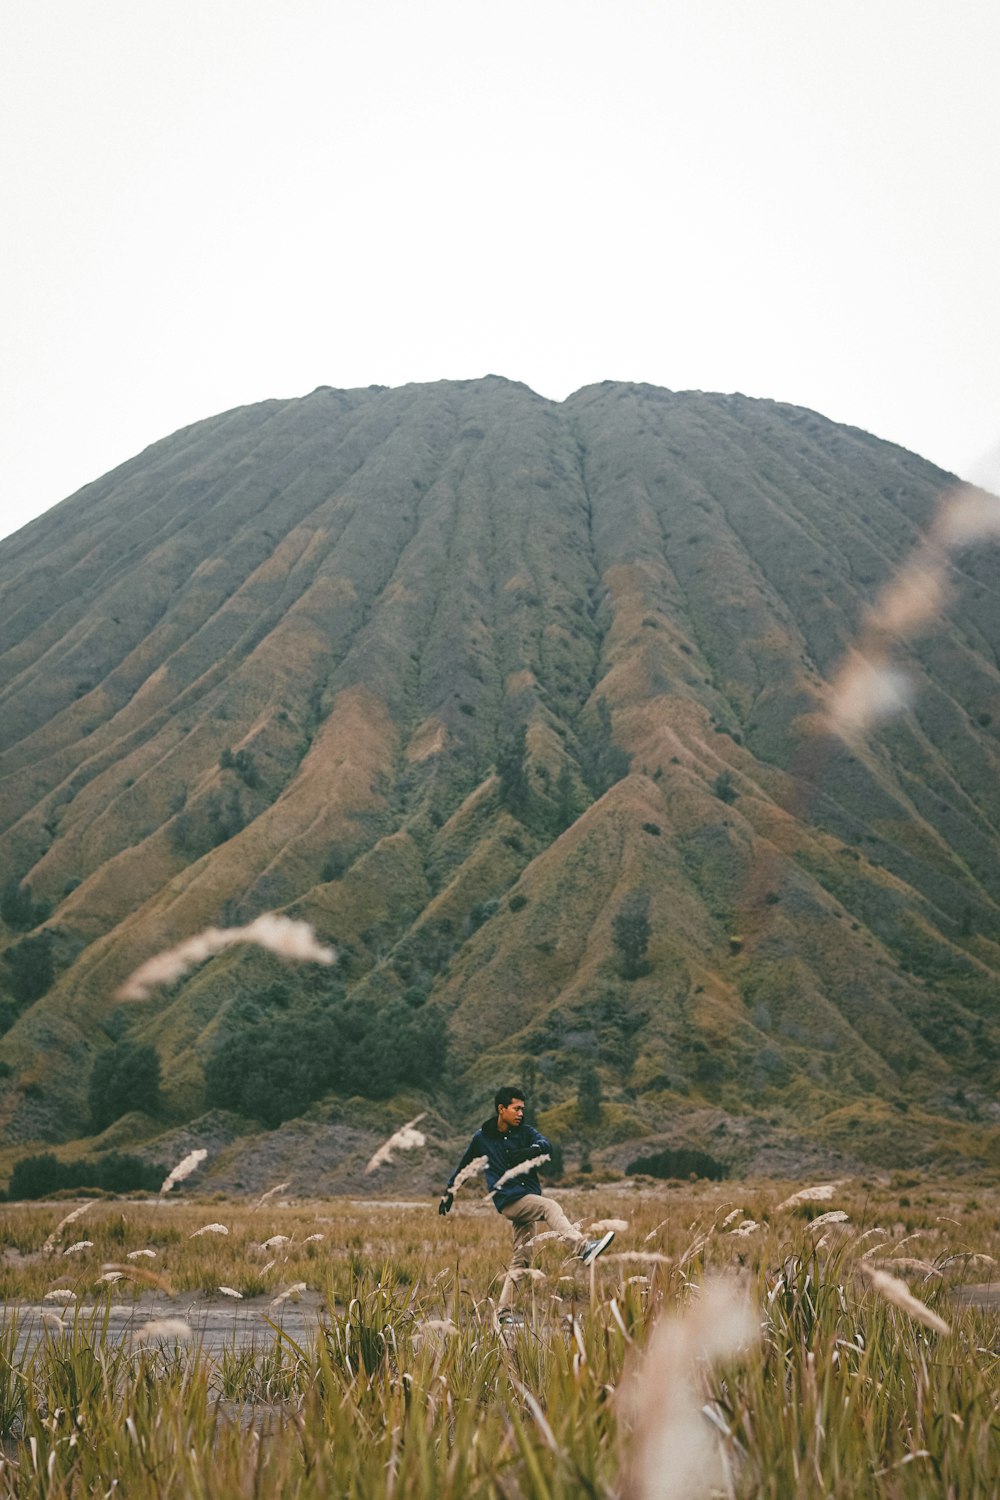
x=796 y=1377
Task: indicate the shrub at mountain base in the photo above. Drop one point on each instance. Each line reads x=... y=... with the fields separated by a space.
x=125 y=1076
x=679 y=1162
x=274 y=1069
x=38 y=1176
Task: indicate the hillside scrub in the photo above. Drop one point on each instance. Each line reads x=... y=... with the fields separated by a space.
x=631 y=932
x=450 y=671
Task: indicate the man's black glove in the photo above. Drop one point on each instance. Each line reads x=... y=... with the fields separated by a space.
x=447 y=1199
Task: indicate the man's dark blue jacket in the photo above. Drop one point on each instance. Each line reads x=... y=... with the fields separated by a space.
x=504 y=1150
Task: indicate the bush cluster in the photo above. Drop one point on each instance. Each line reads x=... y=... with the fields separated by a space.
x=124 y=1077
x=678 y=1162
x=278 y=1065
x=30 y=970
x=117 y=1172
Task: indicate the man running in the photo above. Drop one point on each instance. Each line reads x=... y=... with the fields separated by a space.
x=508 y=1143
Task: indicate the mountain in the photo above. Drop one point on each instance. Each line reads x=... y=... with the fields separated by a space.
x=521 y=705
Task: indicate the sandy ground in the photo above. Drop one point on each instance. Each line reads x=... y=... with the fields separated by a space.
x=215 y=1325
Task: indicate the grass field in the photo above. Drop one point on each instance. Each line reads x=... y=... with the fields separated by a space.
x=736 y=1345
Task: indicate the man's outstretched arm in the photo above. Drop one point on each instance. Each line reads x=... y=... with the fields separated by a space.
x=448 y=1197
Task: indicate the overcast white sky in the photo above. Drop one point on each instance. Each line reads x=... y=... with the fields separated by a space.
x=211 y=202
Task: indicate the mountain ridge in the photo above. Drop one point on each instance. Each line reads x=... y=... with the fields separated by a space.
x=390 y=658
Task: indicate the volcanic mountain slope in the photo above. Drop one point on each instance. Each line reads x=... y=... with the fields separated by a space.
x=461 y=675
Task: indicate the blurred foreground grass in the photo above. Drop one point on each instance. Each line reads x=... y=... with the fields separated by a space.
x=407 y=1387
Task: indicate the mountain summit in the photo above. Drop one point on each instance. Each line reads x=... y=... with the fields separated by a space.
x=520 y=704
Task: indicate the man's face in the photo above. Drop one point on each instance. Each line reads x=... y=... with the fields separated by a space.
x=510 y=1114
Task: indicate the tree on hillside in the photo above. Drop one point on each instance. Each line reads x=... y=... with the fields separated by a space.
x=588 y=1092
x=512 y=771
x=30 y=969
x=602 y=760
x=273 y=1069
x=631 y=932
x=16 y=906
x=567 y=808
x=124 y=1077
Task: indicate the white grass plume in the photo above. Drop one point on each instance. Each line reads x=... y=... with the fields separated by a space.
x=835 y=1216
x=292 y=1292
x=875 y=1229
x=909 y=1263
x=821 y=1193
x=899 y=1294
x=519 y=1171
x=80 y=1245
x=477 y=1164
x=601 y=1226
x=183 y=1169
x=546 y=1234
x=867 y=689
x=967 y=516
x=406 y=1138
x=868 y=686
x=286 y=936
x=444 y=1326
x=139 y=1254
x=671 y=1452
x=164 y=1328
x=275 y=1241
x=208 y=1229
x=230 y=1291
x=138 y=1273
x=279 y=1187
x=59 y=1294
x=50 y=1243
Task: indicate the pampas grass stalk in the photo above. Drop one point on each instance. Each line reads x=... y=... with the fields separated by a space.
x=670 y=1453
x=282 y=935
x=477 y=1164
x=406 y=1138
x=293 y=1292
x=164 y=1328
x=183 y=1169
x=279 y=1187
x=821 y=1193
x=899 y=1294
x=518 y=1171
x=71 y=1218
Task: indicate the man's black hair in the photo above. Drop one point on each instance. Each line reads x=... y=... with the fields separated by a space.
x=506 y=1096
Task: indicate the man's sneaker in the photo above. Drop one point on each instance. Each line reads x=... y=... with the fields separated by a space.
x=509 y=1319
x=591 y=1249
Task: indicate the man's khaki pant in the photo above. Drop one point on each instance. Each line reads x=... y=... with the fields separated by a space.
x=527 y=1216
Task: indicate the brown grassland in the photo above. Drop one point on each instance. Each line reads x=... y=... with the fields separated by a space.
x=363 y=1356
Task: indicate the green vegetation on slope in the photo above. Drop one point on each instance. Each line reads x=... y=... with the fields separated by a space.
x=517 y=703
